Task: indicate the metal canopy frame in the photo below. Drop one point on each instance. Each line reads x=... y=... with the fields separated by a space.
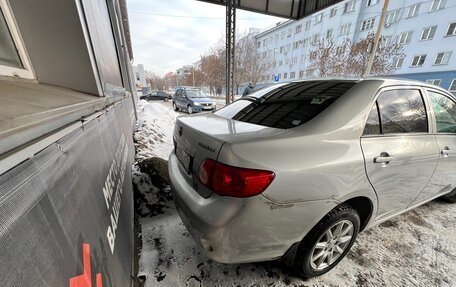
x=292 y=9
x=230 y=48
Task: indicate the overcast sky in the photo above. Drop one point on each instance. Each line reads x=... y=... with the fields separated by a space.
x=165 y=43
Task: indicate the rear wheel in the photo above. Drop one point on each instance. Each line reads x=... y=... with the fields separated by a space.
x=189 y=109
x=450 y=197
x=175 y=107
x=328 y=242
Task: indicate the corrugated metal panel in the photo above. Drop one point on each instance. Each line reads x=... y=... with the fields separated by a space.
x=293 y=9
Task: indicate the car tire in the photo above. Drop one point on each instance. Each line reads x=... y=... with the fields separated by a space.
x=189 y=109
x=165 y=99
x=328 y=242
x=175 y=107
x=449 y=197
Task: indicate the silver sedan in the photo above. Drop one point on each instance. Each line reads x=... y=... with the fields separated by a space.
x=295 y=171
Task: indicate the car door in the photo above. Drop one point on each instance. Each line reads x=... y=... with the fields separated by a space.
x=179 y=98
x=400 y=154
x=444 y=114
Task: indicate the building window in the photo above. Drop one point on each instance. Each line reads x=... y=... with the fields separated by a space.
x=437 y=5
x=294 y=60
x=428 y=33
x=418 y=61
x=285 y=75
x=340 y=50
x=368 y=24
x=282 y=49
x=391 y=17
x=289 y=32
x=413 y=10
x=307 y=25
x=329 y=33
x=315 y=38
x=287 y=61
x=292 y=75
x=453 y=86
x=397 y=62
x=305 y=42
x=301 y=74
x=434 y=82
x=333 y=12
x=451 y=31
x=345 y=29
x=298 y=29
x=349 y=6
x=319 y=18
x=405 y=38
x=371 y=2
x=13 y=61
x=258 y=44
x=442 y=58
x=280 y=63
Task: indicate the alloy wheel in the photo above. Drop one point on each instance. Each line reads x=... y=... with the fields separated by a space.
x=331 y=244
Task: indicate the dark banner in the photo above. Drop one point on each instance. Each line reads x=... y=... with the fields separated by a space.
x=66 y=214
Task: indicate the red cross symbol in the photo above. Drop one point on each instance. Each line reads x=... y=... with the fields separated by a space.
x=85 y=280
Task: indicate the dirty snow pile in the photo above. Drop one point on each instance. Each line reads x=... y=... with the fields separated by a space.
x=415 y=249
x=154 y=130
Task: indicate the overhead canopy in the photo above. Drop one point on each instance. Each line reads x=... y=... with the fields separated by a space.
x=293 y=9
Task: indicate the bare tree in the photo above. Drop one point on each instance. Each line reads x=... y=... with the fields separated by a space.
x=350 y=59
x=154 y=81
x=327 y=59
x=213 y=70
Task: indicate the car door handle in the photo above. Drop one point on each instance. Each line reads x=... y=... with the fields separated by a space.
x=384 y=158
x=447 y=151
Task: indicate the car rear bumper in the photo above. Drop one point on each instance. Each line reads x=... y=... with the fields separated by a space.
x=238 y=230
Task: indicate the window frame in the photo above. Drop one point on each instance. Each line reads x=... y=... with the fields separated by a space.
x=419 y=60
x=370 y=3
x=349 y=6
x=453 y=83
x=370 y=23
x=27 y=71
x=408 y=37
x=442 y=63
x=431 y=108
x=440 y=6
x=432 y=82
x=429 y=33
x=416 y=11
x=429 y=117
x=448 y=29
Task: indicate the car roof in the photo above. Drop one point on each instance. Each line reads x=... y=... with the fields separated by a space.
x=386 y=81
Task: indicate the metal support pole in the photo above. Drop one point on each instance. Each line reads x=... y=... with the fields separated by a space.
x=230 y=43
x=377 y=38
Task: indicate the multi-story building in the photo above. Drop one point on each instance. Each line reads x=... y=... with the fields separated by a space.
x=426 y=30
x=140 y=75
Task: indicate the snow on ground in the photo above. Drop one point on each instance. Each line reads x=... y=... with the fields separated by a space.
x=415 y=249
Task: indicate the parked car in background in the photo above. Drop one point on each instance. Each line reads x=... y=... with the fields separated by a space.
x=297 y=170
x=156 y=96
x=192 y=100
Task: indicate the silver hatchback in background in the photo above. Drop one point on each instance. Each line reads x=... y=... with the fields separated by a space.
x=297 y=170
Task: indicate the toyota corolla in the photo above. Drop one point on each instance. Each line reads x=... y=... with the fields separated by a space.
x=297 y=170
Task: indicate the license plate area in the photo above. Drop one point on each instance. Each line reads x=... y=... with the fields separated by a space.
x=184 y=158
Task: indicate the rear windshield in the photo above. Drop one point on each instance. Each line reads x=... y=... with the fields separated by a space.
x=288 y=105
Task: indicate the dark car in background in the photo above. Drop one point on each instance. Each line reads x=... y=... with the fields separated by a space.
x=156 y=96
x=192 y=100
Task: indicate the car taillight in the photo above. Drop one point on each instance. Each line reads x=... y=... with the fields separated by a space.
x=233 y=181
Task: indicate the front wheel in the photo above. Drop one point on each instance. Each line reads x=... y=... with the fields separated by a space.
x=328 y=242
x=175 y=107
x=190 y=109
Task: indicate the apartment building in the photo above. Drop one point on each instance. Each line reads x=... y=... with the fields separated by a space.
x=426 y=30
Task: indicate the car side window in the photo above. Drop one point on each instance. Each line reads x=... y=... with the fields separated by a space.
x=445 y=112
x=402 y=111
x=373 y=122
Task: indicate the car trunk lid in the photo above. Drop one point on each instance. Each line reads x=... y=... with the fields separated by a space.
x=201 y=137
